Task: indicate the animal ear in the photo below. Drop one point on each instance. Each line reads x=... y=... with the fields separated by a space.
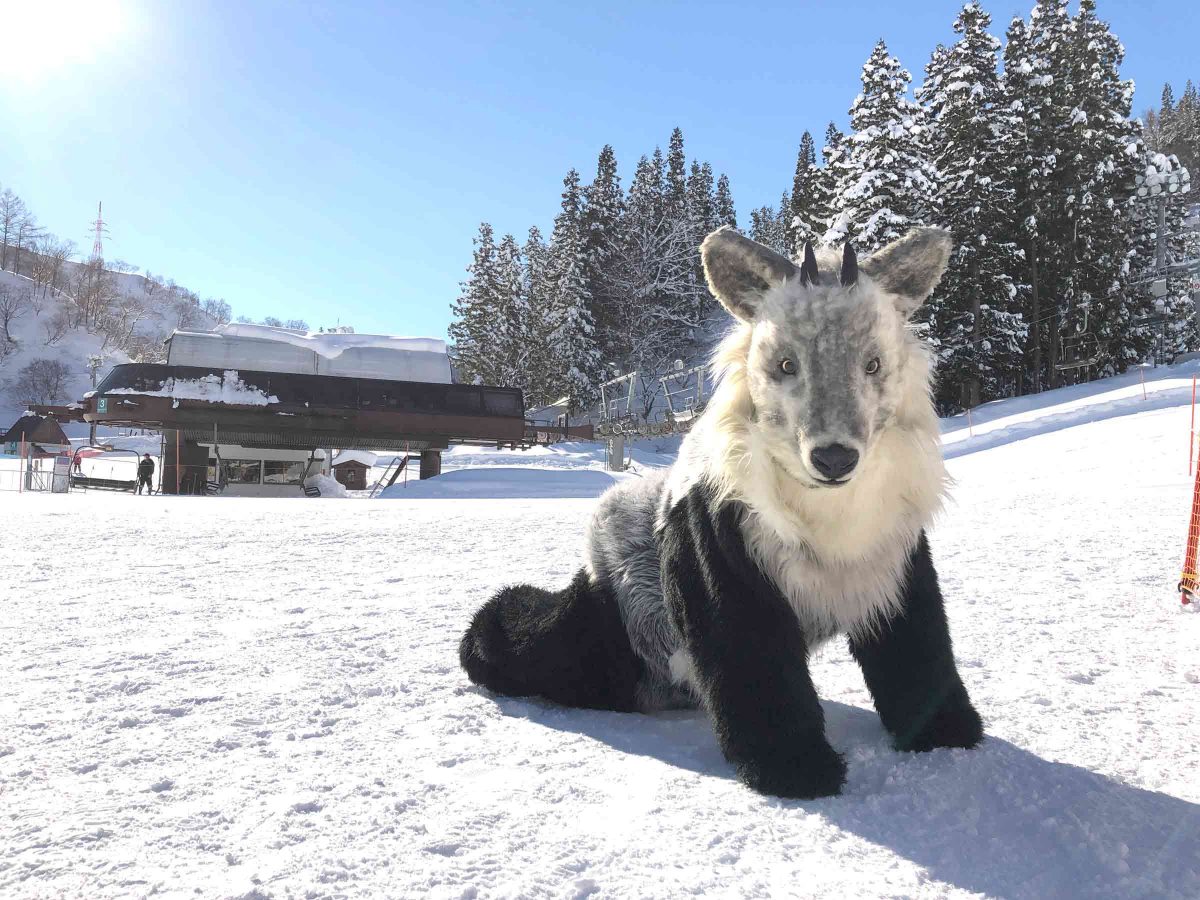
x=911 y=267
x=740 y=271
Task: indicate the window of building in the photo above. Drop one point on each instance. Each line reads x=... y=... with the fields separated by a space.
x=282 y=471
x=242 y=471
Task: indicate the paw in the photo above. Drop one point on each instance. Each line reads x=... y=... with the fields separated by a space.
x=956 y=725
x=816 y=770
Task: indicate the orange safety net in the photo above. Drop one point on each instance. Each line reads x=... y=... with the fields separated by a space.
x=1189 y=583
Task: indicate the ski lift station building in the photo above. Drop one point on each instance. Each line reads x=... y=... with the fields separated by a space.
x=249 y=407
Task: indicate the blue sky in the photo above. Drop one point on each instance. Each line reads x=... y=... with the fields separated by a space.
x=332 y=161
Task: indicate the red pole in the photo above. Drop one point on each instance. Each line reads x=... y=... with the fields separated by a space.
x=1189 y=582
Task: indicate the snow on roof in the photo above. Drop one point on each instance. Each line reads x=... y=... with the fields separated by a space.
x=267 y=349
x=366 y=457
x=331 y=345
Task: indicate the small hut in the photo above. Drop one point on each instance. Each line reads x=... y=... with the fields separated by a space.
x=352 y=467
x=43 y=435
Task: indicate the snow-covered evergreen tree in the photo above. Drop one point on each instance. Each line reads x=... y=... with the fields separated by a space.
x=604 y=207
x=804 y=214
x=767 y=227
x=1098 y=176
x=511 y=315
x=675 y=188
x=825 y=182
x=976 y=324
x=572 y=332
x=475 y=329
x=540 y=362
x=723 y=203
x=885 y=184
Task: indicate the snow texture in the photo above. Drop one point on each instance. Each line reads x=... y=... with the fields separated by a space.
x=243 y=698
x=226 y=388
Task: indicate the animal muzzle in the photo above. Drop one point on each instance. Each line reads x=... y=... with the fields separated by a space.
x=833 y=461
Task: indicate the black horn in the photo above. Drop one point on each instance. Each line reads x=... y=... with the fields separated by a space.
x=808 y=267
x=849 y=274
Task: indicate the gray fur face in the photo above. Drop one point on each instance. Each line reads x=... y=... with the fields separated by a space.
x=827 y=363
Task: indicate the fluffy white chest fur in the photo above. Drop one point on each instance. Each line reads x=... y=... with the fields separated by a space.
x=839 y=555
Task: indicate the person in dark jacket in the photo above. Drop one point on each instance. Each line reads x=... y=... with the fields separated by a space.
x=145 y=473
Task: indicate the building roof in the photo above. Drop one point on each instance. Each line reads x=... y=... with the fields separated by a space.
x=362 y=457
x=35 y=429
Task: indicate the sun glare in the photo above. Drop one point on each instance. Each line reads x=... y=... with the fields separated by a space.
x=47 y=37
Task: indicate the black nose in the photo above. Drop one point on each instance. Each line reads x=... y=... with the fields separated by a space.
x=834 y=460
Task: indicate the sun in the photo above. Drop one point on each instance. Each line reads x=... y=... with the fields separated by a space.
x=50 y=36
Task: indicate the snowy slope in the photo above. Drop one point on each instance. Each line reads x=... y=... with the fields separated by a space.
x=250 y=699
x=76 y=346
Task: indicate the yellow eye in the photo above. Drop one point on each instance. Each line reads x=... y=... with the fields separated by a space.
x=873 y=366
x=787 y=367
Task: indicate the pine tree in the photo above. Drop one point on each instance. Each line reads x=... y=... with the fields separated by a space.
x=572 y=333
x=723 y=203
x=541 y=364
x=825 y=183
x=885 y=184
x=510 y=316
x=803 y=214
x=1032 y=56
x=675 y=189
x=766 y=227
x=975 y=321
x=604 y=208
x=474 y=329
x=1187 y=128
x=1099 y=176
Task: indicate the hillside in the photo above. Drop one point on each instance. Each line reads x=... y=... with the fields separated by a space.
x=295 y=721
x=73 y=350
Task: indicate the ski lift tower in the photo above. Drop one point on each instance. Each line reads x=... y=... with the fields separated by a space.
x=616 y=418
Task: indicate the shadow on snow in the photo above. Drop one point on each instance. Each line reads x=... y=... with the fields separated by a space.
x=997 y=820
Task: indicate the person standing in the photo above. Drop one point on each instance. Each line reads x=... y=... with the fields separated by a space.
x=145 y=472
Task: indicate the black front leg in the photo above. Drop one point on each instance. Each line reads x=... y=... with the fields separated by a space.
x=748 y=653
x=910 y=671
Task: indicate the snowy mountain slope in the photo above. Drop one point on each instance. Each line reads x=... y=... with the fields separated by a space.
x=245 y=697
x=73 y=350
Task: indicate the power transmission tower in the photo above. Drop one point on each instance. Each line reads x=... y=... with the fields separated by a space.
x=100 y=231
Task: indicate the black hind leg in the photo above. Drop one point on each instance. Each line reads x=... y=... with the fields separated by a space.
x=910 y=671
x=569 y=646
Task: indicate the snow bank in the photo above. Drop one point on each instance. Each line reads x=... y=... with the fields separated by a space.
x=500 y=483
x=329 y=487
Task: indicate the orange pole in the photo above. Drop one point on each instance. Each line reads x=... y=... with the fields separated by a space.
x=1192 y=433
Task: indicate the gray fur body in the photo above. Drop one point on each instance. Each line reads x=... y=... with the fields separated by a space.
x=837 y=549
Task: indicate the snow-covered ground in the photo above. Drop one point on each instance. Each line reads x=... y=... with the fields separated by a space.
x=261 y=698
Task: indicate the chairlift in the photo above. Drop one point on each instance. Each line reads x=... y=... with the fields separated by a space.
x=684 y=390
x=1082 y=349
